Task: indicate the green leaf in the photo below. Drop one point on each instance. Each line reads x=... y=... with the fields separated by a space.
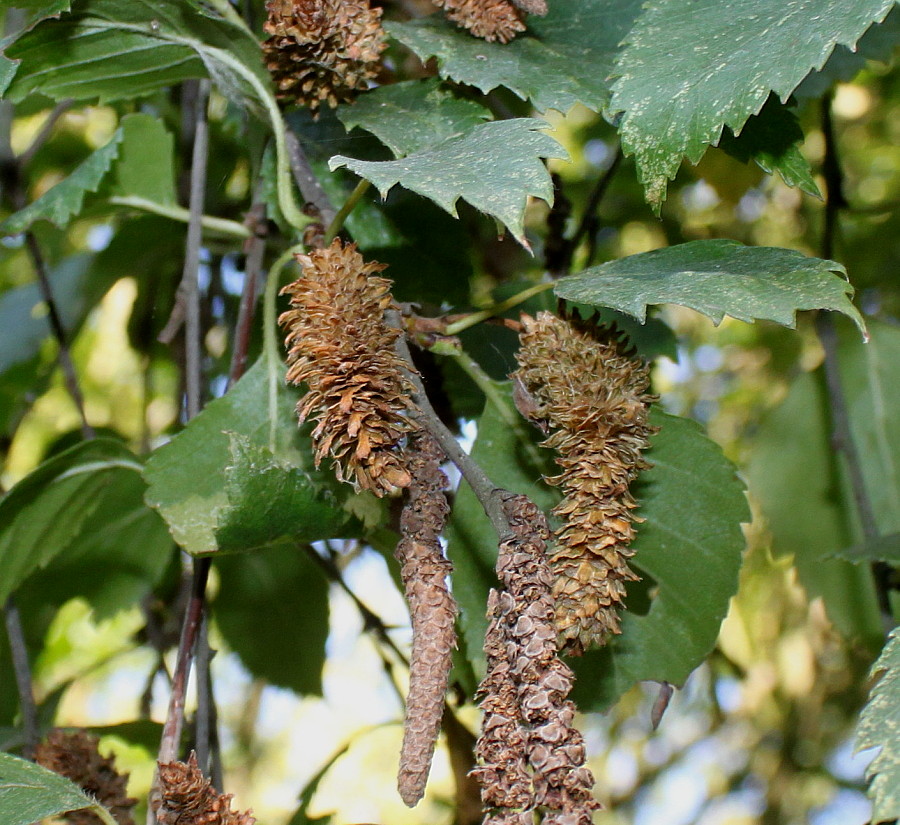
x=687 y=71
x=772 y=140
x=884 y=548
x=495 y=167
x=879 y=726
x=794 y=475
x=63 y=201
x=34 y=11
x=109 y=50
x=563 y=59
x=29 y=793
x=717 y=278
x=272 y=610
x=219 y=483
x=146 y=164
x=301 y=815
x=52 y=508
x=412 y=116
x=689 y=549
x=688 y=552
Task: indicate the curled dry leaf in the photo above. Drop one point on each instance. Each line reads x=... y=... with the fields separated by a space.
x=593 y=395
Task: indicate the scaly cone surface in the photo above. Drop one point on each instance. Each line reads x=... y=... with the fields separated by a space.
x=592 y=394
x=489 y=19
x=187 y=798
x=322 y=51
x=340 y=346
x=531 y=756
x=424 y=571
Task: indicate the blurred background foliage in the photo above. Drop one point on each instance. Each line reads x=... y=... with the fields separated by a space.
x=760 y=735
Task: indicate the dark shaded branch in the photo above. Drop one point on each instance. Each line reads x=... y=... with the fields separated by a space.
x=306 y=180
x=488 y=494
x=44 y=133
x=22 y=670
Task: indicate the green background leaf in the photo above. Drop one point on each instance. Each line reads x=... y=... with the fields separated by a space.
x=204 y=485
x=879 y=726
x=29 y=793
x=687 y=70
x=495 y=167
x=717 y=278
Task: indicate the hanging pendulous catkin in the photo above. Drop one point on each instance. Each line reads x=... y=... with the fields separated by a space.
x=592 y=394
x=340 y=346
x=187 y=798
x=75 y=756
x=424 y=571
x=531 y=757
x=322 y=51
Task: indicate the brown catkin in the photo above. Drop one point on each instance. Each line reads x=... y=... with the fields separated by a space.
x=187 y=798
x=322 y=51
x=593 y=395
x=489 y=19
x=75 y=755
x=340 y=346
x=424 y=571
x=530 y=753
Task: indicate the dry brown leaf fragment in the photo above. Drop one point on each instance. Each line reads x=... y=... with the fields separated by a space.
x=530 y=753
x=188 y=798
x=424 y=571
x=322 y=51
x=592 y=394
x=340 y=346
x=75 y=755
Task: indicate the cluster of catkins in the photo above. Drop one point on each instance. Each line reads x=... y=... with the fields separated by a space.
x=584 y=386
x=325 y=51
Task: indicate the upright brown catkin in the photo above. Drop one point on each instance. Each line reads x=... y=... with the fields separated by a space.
x=489 y=19
x=593 y=395
x=424 y=571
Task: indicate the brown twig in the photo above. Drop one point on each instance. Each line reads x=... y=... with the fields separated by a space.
x=306 y=180
x=22 y=670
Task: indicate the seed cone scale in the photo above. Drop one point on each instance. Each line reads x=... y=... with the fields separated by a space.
x=75 y=756
x=592 y=394
x=322 y=51
x=491 y=20
x=188 y=798
x=424 y=572
x=340 y=346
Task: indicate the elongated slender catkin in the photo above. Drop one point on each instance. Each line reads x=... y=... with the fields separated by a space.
x=531 y=756
x=592 y=394
x=340 y=346
x=424 y=571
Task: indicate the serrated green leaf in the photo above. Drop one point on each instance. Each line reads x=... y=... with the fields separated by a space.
x=884 y=548
x=29 y=793
x=495 y=167
x=50 y=510
x=145 y=166
x=203 y=481
x=772 y=140
x=64 y=200
x=690 y=548
x=272 y=610
x=717 y=278
x=688 y=552
x=34 y=11
x=686 y=71
x=794 y=475
x=109 y=50
x=563 y=59
x=411 y=116
x=879 y=726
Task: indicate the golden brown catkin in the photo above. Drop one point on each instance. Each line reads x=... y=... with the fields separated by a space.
x=75 y=755
x=593 y=395
x=489 y=19
x=187 y=798
x=340 y=346
x=424 y=571
x=322 y=51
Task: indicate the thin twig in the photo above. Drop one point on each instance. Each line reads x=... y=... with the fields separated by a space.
x=306 y=179
x=22 y=670
x=474 y=318
x=65 y=356
x=213 y=225
x=205 y=699
x=488 y=494
x=45 y=131
x=348 y=206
